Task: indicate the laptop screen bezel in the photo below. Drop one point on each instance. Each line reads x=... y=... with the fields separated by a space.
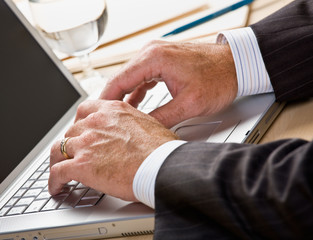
x=59 y=126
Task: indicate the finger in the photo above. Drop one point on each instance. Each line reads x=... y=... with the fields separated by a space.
x=144 y=66
x=136 y=97
x=60 y=174
x=56 y=154
x=112 y=90
x=86 y=108
x=172 y=113
x=77 y=129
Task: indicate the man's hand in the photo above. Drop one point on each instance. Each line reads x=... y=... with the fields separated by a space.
x=108 y=143
x=201 y=78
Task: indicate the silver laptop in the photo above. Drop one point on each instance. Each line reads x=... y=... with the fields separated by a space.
x=245 y=121
x=38 y=100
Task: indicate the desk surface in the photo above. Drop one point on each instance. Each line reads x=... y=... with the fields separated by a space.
x=296 y=120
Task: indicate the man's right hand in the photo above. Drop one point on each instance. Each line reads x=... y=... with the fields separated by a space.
x=201 y=78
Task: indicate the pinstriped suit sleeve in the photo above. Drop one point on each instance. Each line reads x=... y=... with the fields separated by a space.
x=235 y=191
x=286 y=43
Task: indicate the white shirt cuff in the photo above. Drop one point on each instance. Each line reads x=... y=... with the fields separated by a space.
x=252 y=75
x=144 y=181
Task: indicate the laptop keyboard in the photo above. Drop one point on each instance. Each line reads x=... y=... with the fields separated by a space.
x=156 y=97
x=34 y=196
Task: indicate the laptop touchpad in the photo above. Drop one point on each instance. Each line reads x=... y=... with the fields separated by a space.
x=197 y=131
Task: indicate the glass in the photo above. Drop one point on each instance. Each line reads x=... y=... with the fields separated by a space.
x=73 y=27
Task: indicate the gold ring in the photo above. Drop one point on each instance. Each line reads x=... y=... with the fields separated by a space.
x=63 y=148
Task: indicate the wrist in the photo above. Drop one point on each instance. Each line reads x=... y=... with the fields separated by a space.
x=144 y=181
x=252 y=76
x=231 y=74
x=226 y=76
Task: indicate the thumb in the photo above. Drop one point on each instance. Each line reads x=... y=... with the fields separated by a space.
x=112 y=91
x=172 y=113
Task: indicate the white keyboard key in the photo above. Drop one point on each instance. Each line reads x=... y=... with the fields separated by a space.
x=20 y=193
x=3 y=211
x=28 y=184
x=35 y=176
x=16 y=210
x=165 y=100
x=25 y=201
x=43 y=195
x=147 y=110
x=73 y=198
x=36 y=206
x=43 y=167
x=11 y=202
x=89 y=202
x=153 y=102
x=44 y=176
x=80 y=185
x=53 y=203
x=144 y=101
x=32 y=193
x=40 y=184
x=92 y=194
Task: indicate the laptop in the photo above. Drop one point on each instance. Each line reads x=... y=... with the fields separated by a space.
x=38 y=101
x=246 y=120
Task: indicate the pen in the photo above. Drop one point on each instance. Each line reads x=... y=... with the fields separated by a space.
x=209 y=17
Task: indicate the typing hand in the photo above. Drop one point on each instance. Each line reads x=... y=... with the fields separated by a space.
x=107 y=143
x=201 y=78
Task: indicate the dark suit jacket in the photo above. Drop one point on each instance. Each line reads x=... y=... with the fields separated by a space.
x=238 y=191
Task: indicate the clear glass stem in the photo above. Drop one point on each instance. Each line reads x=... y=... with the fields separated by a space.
x=88 y=71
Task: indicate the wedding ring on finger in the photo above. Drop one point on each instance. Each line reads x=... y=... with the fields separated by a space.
x=63 y=147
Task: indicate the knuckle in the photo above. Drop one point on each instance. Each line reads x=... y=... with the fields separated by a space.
x=153 y=43
x=95 y=119
x=156 y=49
x=80 y=159
x=118 y=105
x=86 y=139
x=81 y=108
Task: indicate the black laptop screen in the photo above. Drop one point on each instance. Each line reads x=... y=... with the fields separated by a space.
x=34 y=94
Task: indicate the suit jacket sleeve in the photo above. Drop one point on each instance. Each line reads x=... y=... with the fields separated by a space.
x=285 y=39
x=234 y=191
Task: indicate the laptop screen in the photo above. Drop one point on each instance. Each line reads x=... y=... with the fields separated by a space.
x=34 y=94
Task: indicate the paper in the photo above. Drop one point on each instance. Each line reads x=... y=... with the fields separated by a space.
x=130 y=16
x=124 y=50
x=133 y=23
